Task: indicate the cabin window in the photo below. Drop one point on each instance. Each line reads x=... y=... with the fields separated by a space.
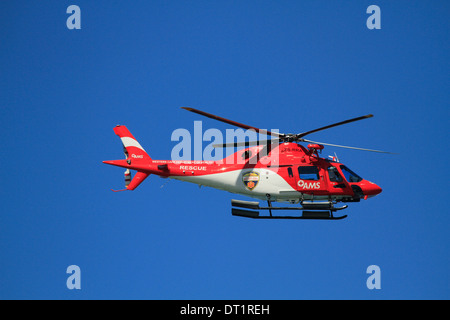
x=334 y=174
x=308 y=173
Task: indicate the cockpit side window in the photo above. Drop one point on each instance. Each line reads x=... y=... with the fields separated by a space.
x=350 y=175
x=334 y=174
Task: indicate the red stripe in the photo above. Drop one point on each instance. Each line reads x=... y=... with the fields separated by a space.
x=122 y=131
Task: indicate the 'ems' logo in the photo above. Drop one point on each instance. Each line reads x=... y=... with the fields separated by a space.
x=308 y=185
x=250 y=180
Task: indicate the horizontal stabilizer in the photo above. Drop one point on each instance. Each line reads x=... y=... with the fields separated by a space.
x=137 y=180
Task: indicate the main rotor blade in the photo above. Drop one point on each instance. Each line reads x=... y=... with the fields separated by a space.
x=347 y=147
x=301 y=135
x=246 y=143
x=234 y=123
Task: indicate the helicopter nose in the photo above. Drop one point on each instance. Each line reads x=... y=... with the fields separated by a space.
x=370 y=189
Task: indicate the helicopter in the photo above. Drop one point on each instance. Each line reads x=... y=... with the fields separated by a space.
x=296 y=176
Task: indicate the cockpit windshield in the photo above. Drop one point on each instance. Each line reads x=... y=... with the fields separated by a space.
x=350 y=175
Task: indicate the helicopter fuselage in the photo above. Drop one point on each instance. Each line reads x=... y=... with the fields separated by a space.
x=289 y=172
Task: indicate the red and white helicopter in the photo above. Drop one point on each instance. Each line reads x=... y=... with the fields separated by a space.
x=296 y=176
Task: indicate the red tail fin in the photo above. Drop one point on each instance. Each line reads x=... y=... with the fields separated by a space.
x=133 y=150
x=136 y=158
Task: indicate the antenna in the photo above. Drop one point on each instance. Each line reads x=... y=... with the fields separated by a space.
x=335 y=158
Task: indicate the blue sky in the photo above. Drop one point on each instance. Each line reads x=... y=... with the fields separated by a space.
x=287 y=65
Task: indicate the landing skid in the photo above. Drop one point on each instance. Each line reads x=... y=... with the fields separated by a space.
x=322 y=210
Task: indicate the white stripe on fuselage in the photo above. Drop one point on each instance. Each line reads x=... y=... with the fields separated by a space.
x=269 y=183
